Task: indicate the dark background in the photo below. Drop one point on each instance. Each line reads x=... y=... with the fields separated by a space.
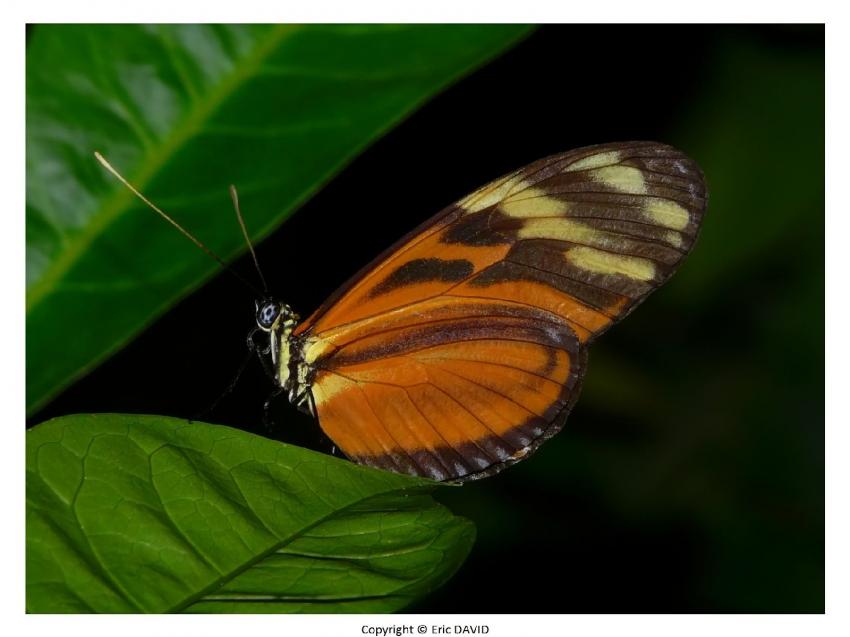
x=689 y=476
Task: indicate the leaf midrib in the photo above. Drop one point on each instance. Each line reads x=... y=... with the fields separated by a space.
x=282 y=542
x=116 y=205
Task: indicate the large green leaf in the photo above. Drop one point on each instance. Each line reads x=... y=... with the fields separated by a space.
x=184 y=110
x=144 y=513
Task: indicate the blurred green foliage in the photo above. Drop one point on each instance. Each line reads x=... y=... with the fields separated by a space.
x=702 y=415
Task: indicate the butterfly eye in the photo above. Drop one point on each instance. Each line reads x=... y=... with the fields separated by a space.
x=267 y=314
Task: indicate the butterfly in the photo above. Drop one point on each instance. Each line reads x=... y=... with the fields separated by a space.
x=462 y=348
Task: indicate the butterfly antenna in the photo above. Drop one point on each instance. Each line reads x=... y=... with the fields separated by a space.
x=235 y=197
x=185 y=232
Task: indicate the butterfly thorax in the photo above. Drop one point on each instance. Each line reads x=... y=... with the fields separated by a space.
x=282 y=354
x=294 y=373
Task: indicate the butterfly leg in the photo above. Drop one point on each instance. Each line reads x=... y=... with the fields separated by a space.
x=304 y=403
x=267 y=421
x=261 y=352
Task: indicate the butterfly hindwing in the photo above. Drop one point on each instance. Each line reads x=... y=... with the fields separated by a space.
x=462 y=347
x=449 y=391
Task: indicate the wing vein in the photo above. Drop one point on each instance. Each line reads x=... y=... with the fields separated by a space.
x=434 y=427
x=387 y=452
x=492 y=391
x=494 y=363
x=466 y=409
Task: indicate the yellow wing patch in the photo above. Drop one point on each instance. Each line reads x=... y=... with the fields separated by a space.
x=623 y=178
x=595 y=160
x=668 y=214
x=607 y=263
x=533 y=202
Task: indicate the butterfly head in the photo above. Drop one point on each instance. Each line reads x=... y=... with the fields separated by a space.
x=271 y=313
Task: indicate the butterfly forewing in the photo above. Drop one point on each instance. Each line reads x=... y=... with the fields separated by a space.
x=462 y=347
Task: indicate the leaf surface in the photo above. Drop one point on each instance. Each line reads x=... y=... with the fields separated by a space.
x=182 y=111
x=130 y=513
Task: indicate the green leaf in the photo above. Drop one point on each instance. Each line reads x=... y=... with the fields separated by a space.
x=147 y=513
x=183 y=111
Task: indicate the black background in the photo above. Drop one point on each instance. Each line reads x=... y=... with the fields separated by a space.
x=539 y=549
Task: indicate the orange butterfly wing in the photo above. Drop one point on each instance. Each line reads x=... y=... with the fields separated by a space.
x=462 y=348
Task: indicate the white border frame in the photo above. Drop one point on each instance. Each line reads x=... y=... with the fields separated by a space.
x=645 y=11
